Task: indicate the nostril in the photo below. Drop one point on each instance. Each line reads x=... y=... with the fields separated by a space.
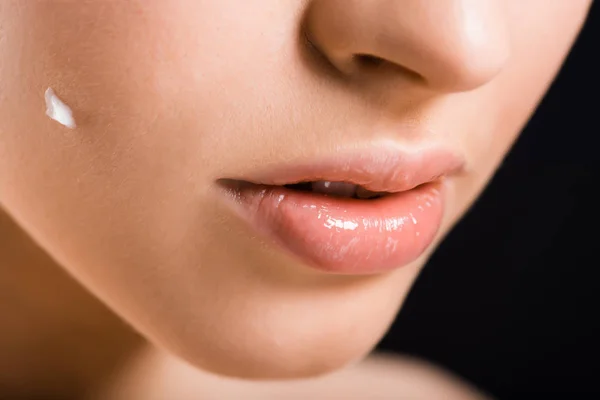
x=368 y=60
x=371 y=63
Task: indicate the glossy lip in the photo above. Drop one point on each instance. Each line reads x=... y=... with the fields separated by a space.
x=344 y=235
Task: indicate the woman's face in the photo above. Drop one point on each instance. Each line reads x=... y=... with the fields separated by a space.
x=172 y=98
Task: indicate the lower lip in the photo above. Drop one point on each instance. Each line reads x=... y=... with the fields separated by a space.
x=342 y=235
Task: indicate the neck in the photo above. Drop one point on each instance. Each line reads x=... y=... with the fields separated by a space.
x=57 y=340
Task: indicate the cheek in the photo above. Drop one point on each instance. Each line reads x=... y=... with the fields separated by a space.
x=99 y=191
x=120 y=67
x=505 y=105
x=105 y=69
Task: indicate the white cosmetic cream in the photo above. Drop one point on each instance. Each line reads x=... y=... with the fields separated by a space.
x=57 y=110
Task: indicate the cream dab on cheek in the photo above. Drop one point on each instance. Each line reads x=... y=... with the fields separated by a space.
x=57 y=110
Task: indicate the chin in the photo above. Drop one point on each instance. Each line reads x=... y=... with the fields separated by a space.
x=275 y=345
x=284 y=362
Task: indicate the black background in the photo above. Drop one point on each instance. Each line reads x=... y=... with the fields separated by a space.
x=510 y=300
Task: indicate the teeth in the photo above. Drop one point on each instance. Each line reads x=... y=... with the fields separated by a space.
x=341 y=189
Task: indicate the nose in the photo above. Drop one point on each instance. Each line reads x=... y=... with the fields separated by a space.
x=450 y=45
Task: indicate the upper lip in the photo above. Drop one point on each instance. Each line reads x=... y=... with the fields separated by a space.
x=383 y=167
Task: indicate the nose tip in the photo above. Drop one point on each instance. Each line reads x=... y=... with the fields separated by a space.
x=461 y=62
x=452 y=45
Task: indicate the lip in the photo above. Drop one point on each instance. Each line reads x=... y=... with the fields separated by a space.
x=348 y=235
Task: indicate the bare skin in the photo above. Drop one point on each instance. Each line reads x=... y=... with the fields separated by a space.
x=58 y=340
x=170 y=97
